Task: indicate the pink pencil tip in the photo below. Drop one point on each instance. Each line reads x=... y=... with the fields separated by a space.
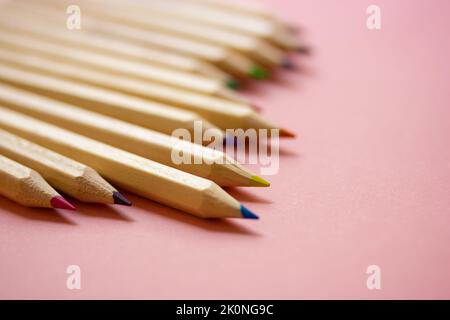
x=61 y=203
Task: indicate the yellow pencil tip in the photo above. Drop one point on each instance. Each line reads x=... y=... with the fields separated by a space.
x=260 y=182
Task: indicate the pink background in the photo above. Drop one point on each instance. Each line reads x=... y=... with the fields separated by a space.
x=366 y=182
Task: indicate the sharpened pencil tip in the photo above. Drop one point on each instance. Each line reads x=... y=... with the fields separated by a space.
x=303 y=50
x=59 y=202
x=120 y=199
x=286 y=133
x=258 y=73
x=259 y=182
x=288 y=64
x=247 y=214
x=233 y=84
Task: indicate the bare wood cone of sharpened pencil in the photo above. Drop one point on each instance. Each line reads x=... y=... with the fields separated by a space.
x=65 y=174
x=26 y=187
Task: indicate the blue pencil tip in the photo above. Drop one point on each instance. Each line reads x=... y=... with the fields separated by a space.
x=247 y=214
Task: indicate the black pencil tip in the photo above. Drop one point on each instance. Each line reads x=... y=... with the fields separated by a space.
x=304 y=50
x=120 y=199
x=288 y=64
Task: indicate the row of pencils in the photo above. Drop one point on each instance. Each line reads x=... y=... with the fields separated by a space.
x=87 y=101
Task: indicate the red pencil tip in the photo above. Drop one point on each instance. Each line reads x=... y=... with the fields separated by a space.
x=61 y=203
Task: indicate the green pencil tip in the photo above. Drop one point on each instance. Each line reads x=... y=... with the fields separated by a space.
x=233 y=84
x=258 y=73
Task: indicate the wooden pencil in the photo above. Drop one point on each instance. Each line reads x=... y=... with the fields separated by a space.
x=148 y=90
x=232 y=117
x=215 y=17
x=233 y=62
x=248 y=8
x=155 y=181
x=67 y=175
x=259 y=50
x=12 y=39
x=205 y=162
x=27 y=23
x=26 y=187
x=159 y=117
x=245 y=7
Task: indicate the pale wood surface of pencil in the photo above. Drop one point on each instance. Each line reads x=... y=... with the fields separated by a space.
x=136 y=110
x=233 y=62
x=255 y=48
x=153 y=92
x=114 y=65
x=248 y=8
x=26 y=22
x=244 y=23
x=148 y=114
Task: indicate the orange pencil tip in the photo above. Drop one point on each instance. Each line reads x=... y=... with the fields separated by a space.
x=286 y=133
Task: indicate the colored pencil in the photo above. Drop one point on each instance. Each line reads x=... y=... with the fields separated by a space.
x=233 y=62
x=26 y=187
x=67 y=175
x=215 y=17
x=139 y=71
x=166 y=185
x=109 y=103
x=248 y=8
x=159 y=117
x=151 y=91
x=147 y=143
x=259 y=50
x=27 y=23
